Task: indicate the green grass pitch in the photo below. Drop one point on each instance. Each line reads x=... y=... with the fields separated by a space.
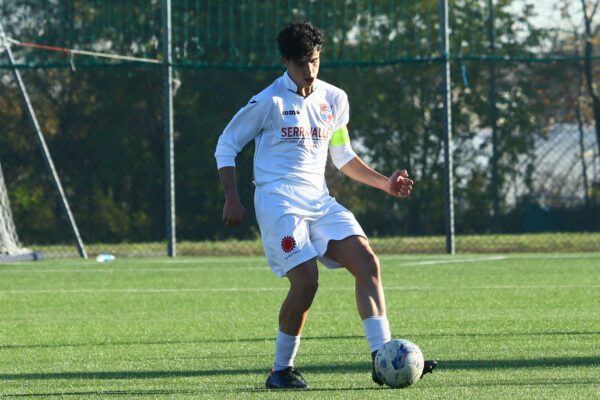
x=502 y=327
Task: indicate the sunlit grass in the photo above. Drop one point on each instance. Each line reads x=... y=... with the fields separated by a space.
x=502 y=326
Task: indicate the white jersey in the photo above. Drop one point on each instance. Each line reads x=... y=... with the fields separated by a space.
x=292 y=133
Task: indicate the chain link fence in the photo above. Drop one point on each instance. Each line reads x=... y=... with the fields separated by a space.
x=526 y=149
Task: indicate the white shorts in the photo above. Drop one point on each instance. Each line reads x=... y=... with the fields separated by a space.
x=297 y=222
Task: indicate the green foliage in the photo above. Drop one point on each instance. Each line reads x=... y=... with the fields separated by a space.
x=103 y=121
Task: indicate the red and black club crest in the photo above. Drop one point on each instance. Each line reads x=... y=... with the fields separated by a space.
x=288 y=243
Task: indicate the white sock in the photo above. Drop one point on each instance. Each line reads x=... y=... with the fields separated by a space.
x=377 y=331
x=286 y=347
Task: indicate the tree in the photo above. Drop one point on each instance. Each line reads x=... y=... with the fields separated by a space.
x=589 y=9
x=103 y=122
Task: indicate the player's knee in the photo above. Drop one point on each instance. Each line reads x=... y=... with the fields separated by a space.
x=304 y=293
x=374 y=266
x=306 y=285
x=310 y=286
x=369 y=268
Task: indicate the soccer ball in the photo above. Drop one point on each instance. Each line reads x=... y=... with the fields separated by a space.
x=399 y=363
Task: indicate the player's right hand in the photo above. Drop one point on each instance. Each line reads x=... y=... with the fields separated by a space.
x=233 y=212
x=400 y=184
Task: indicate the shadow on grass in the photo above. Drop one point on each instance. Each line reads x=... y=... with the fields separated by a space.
x=510 y=334
x=169 y=342
x=529 y=363
x=82 y=394
x=199 y=392
x=310 y=369
x=317 y=369
x=272 y=339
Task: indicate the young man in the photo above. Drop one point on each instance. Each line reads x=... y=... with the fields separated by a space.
x=294 y=122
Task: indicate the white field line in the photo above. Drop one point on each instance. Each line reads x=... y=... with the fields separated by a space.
x=281 y=289
x=245 y=268
x=385 y=257
x=493 y=287
x=154 y=261
x=142 y=290
x=453 y=261
x=264 y=267
x=125 y=270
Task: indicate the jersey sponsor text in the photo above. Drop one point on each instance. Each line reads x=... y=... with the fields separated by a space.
x=314 y=132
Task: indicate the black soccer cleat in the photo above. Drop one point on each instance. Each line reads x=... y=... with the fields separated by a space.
x=373 y=373
x=428 y=368
x=288 y=378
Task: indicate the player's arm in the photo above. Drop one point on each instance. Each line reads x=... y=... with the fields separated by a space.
x=346 y=160
x=244 y=127
x=233 y=210
x=397 y=185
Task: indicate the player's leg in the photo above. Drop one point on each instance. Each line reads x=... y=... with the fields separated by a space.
x=303 y=281
x=356 y=255
x=341 y=241
x=284 y=227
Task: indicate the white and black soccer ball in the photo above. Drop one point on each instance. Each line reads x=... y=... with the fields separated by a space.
x=399 y=363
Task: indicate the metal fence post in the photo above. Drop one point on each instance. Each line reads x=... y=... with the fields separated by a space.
x=493 y=121
x=447 y=126
x=168 y=127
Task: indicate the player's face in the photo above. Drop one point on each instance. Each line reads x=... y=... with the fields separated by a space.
x=304 y=72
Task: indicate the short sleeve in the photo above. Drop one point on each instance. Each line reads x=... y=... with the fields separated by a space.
x=342 y=112
x=339 y=145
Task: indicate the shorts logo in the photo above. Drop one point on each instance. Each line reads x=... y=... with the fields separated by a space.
x=288 y=243
x=326 y=113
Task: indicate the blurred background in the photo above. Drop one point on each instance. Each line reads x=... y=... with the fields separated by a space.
x=525 y=120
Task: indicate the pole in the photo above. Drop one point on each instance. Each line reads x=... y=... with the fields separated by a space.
x=168 y=127
x=447 y=126
x=493 y=120
x=44 y=148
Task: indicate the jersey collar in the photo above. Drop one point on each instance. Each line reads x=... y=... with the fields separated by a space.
x=290 y=85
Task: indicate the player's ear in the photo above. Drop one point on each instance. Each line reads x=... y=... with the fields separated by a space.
x=283 y=60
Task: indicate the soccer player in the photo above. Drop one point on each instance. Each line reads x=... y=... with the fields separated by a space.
x=294 y=122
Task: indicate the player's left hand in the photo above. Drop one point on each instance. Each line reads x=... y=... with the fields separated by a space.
x=399 y=184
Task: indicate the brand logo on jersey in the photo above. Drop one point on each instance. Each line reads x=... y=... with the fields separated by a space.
x=290 y=112
x=326 y=113
x=288 y=243
x=305 y=132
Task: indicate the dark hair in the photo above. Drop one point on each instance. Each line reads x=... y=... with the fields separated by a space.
x=297 y=41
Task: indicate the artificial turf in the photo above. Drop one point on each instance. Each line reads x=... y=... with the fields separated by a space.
x=501 y=326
